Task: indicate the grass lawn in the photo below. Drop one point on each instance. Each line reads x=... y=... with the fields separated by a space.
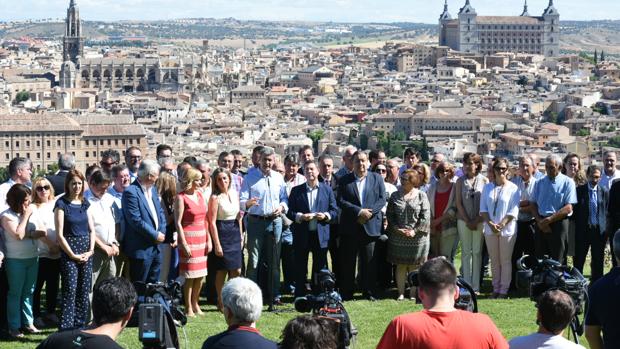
x=514 y=317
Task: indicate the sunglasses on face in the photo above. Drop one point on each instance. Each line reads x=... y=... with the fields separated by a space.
x=43 y=187
x=501 y=169
x=381 y=170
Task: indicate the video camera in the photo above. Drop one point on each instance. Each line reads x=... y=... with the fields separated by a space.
x=159 y=314
x=540 y=275
x=467 y=296
x=328 y=303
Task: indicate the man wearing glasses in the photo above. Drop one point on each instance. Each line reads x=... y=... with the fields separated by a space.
x=552 y=201
x=109 y=159
x=133 y=159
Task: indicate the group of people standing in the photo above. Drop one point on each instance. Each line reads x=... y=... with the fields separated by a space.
x=154 y=220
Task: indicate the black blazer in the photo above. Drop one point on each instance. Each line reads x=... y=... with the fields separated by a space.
x=581 y=211
x=298 y=203
x=58 y=182
x=349 y=202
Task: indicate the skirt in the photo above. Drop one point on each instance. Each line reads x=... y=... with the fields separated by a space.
x=230 y=239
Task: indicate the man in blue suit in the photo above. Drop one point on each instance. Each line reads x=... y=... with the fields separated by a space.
x=361 y=196
x=145 y=224
x=312 y=206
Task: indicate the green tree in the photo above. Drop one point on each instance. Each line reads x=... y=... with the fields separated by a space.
x=22 y=97
x=584 y=132
x=602 y=56
x=4 y=174
x=363 y=142
x=316 y=136
x=595 y=56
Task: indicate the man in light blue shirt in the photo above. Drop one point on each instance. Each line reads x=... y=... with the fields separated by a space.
x=552 y=202
x=264 y=199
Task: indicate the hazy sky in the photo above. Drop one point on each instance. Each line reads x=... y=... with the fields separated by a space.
x=426 y=11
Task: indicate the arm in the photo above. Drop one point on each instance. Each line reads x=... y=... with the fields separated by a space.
x=17 y=230
x=513 y=209
x=244 y=195
x=333 y=207
x=59 y=220
x=593 y=334
x=460 y=209
x=179 y=208
x=131 y=212
x=561 y=214
x=211 y=218
x=283 y=197
x=424 y=221
x=98 y=242
x=93 y=235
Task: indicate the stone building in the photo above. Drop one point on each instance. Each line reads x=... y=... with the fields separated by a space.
x=488 y=35
x=249 y=95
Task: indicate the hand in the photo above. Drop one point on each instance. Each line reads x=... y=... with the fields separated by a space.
x=543 y=225
x=218 y=250
x=27 y=209
x=161 y=237
x=37 y=234
x=321 y=216
x=306 y=217
x=174 y=244
x=366 y=213
x=116 y=250
x=361 y=220
x=494 y=228
x=524 y=203
x=209 y=246
x=472 y=225
x=186 y=250
x=109 y=251
x=404 y=231
x=437 y=222
x=277 y=211
x=251 y=202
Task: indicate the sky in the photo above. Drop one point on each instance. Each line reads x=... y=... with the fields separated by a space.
x=420 y=11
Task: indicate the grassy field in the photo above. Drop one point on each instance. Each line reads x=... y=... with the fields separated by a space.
x=514 y=317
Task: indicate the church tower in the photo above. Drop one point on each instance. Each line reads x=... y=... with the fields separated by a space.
x=73 y=41
x=443 y=21
x=551 y=43
x=468 y=38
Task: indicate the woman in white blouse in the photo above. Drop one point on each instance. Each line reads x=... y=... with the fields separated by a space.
x=499 y=207
x=49 y=252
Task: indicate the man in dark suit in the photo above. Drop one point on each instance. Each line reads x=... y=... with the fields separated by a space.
x=312 y=206
x=613 y=215
x=327 y=176
x=361 y=196
x=66 y=163
x=591 y=222
x=145 y=227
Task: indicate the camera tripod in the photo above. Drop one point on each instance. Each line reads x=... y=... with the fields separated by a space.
x=576 y=328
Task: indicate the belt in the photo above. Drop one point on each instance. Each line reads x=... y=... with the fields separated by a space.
x=264 y=218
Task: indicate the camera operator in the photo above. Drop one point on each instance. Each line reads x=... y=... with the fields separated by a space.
x=243 y=302
x=113 y=302
x=555 y=311
x=440 y=324
x=310 y=332
x=602 y=315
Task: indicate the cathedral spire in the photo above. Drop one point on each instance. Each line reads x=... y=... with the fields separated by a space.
x=467 y=9
x=525 y=12
x=445 y=15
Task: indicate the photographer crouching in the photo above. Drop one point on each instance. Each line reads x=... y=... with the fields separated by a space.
x=113 y=302
x=556 y=310
x=440 y=324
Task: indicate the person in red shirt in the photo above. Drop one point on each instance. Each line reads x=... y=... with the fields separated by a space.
x=440 y=324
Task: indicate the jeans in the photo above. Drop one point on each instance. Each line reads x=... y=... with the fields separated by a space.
x=264 y=239
x=471 y=253
x=22 y=276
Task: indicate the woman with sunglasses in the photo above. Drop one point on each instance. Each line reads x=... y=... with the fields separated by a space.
x=190 y=212
x=76 y=237
x=441 y=195
x=22 y=262
x=469 y=224
x=499 y=207
x=49 y=251
x=408 y=216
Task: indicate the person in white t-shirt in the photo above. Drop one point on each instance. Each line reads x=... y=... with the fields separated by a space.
x=555 y=311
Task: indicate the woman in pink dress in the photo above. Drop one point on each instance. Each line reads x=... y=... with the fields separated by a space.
x=190 y=216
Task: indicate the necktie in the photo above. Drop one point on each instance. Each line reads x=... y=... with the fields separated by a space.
x=593 y=208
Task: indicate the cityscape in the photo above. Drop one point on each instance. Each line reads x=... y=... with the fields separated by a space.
x=471 y=81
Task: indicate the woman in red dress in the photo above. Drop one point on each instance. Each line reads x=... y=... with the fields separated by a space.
x=190 y=214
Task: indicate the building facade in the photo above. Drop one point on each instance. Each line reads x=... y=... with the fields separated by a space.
x=488 y=35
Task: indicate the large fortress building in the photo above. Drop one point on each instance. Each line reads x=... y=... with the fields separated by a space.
x=488 y=35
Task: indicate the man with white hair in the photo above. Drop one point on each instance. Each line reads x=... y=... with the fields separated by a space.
x=243 y=301
x=145 y=227
x=552 y=202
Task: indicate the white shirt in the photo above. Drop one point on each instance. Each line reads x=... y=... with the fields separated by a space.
x=361 y=185
x=43 y=217
x=606 y=181
x=149 y=202
x=542 y=341
x=4 y=189
x=103 y=217
x=18 y=249
x=499 y=202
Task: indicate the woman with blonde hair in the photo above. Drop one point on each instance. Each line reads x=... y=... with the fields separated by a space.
x=49 y=252
x=441 y=196
x=167 y=190
x=224 y=226
x=190 y=212
x=425 y=176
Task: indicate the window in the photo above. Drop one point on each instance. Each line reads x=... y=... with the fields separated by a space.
x=38 y=143
x=87 y=142
x=7 y=144
x=87 y=154
x=38 y=155
x=109 y=142
x=49 y=155
x=17 y=145
x=28 y=155
x=6 y=156
x=27 y=143
x=58 y=143
x=101 y=142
